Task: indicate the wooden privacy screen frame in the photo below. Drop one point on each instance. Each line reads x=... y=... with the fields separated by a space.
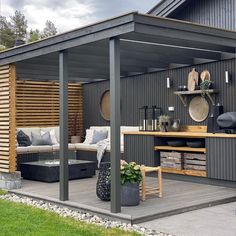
x=105 y=105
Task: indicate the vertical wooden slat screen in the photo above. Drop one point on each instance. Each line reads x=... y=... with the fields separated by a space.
x=37 y=104
x=7 y=119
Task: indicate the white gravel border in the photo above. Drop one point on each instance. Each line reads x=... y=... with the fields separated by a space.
x=81 y=216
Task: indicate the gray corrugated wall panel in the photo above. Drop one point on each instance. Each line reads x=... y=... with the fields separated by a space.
x=140 y=149
x=217 y=13
x=150 y=89
x=221 y=158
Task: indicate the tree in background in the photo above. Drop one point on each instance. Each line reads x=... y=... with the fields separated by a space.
x=49 y=30
x=16 y=28
x=7 y=36
x=19 y=25
x=34 y=35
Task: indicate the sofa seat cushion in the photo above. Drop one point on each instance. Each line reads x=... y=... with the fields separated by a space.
x=22 y=150
x=34 y=149
x=56 y=147
x=40 y=148
x=86 y=147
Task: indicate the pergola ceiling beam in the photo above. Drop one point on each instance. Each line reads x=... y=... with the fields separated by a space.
x=134 y=59
x=177 y=42
x=131 y=47
x=39 y=77
x=146 y=47
x=77 y=69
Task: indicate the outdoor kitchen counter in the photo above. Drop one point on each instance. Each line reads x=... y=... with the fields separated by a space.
x=181 y=134
x=220 y=150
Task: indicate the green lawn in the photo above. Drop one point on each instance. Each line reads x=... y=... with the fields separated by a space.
x=2 y=192
x=18 y=219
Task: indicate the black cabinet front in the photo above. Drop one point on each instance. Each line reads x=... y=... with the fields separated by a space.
x=221 y=158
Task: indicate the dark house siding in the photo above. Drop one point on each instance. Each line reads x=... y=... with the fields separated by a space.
x=150 y=89
x=217 y=13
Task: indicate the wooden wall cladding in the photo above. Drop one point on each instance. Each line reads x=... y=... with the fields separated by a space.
x=37 y=104
x=7 y=119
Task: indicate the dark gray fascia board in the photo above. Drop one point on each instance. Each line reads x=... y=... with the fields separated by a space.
x=133 y=26
x=102 y=30
x=167 y=7
x=203 y=37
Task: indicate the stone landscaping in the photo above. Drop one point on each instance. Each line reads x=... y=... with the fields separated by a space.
x=81 y=216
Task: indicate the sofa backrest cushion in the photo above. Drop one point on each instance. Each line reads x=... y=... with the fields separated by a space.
x=98 y=128
x=23 y=139
x=122 y=129
x=38 y=140
x=57 y=132
x=99 y=135
x=28 y=130
x=52 y=134
x=89 y=136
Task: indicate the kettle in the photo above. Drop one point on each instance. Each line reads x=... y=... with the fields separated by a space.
x=175 y=127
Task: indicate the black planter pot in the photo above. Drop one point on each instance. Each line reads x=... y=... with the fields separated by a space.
x=103 y=189
x=130 y=194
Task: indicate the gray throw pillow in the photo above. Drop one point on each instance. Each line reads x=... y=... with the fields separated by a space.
x=99 y=135
x=38 y=140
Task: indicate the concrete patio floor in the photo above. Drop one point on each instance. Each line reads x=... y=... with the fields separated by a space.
x=178 y=197
x=212 y=221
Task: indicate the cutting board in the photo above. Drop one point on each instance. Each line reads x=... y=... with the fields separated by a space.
x=192 y=79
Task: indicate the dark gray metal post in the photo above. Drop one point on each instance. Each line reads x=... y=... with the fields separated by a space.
x=115 y=123
x=63 y=79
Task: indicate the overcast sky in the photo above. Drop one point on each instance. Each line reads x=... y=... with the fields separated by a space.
x=69 y=14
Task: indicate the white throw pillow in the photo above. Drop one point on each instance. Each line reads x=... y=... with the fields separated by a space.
x=52 y=135
x=89 y=136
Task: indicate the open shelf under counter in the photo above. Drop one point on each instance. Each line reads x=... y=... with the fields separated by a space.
x=184 y=149
x=198 y=173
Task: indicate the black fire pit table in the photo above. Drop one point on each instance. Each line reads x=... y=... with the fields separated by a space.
x=48 y=171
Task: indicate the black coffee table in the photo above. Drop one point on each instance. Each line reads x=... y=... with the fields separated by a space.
x=48 y=171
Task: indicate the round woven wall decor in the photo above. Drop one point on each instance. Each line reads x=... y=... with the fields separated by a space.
x=105 y=105
x=198 y=109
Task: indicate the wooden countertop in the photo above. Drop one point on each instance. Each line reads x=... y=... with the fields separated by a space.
x=181 y=134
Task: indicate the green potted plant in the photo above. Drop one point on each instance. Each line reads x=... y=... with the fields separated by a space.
x=205 y=85
x=164 y=123
x=131 y=177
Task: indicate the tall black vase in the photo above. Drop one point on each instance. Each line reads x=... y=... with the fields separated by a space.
x=103 y=189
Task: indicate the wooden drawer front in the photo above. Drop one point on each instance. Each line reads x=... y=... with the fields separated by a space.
x=172 y=160
x=194 y=161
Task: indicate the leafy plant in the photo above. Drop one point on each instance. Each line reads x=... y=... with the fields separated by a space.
x=130 y=173
x=164 y=123
x=205 y=85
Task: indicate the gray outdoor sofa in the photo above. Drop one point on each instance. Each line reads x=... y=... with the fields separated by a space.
x=79 y=151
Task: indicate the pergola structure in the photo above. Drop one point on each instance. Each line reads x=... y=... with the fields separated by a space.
x=129 y=44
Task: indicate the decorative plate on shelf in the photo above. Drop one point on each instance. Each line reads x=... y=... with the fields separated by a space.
x=105 y=105
x=198 y=109
x=205 y=75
